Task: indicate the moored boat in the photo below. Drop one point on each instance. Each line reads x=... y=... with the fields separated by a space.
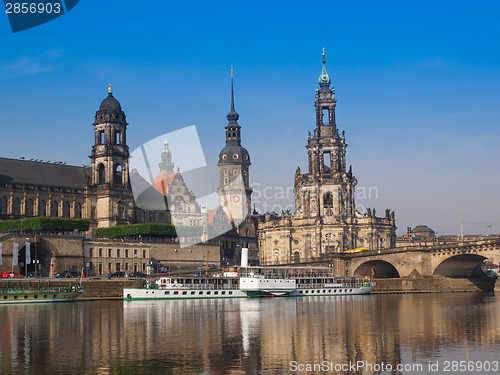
x=253 y=282
x=36 y=294
x=300 y=282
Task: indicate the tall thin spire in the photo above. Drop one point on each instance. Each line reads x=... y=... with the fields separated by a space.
x=232 y=116
x=232 y=90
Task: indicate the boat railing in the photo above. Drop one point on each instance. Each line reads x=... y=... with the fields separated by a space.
x=20 y=290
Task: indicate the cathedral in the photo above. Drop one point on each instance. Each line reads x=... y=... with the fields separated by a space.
x=325 y=220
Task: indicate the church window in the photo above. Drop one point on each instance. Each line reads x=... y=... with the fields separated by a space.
x=234 y=135
x=235 y=156
x=54 y=209
x=224 y=157
x=326 y=117
x=225 y=172
x=328 y=200
x=78 y=211
x=29 y=207
x=327 y=161
x=120 y=212
x=161 y=218
x=66 y=209
x=117 y=175
x=101 y=174
x=235 y=172
x=16 y=207
x=226 y=180
x=101 y=137
x=142 y=216
x=42 y=208
x=151 y=217
x=3 y=206
x=245 y=157
x=117 y=137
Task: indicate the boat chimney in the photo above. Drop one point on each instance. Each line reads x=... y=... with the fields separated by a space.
x=244 y=256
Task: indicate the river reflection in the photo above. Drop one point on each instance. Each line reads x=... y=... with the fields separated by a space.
x=250 y=336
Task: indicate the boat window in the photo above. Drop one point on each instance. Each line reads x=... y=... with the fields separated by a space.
x=324 y=291
x=26 y=297
x=350 y=290
x=188 y=281
x=54 y=296
x=15 y=297
x=196 y=281
x=216 y=292
x=209 y=292
x=223 y=292
x=230 y=292
x=200 y=293
x=184 y=293
x=176 y=293
x=4 y=297
x=167 y=293
x=193 y=292
x=44 y=296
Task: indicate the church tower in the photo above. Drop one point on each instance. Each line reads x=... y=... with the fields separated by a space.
x=234 y=161
x=110 y=163
x=327 y=163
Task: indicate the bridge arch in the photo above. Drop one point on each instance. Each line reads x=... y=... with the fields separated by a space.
x=383 y=269
x=462 y=265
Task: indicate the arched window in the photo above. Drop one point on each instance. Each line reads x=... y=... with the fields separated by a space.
x=101 y=174
x=42 y=208
x=121 y=211
x=78 y=211
x=66 y=209
x=16 y=207
x=29 y=207
x=117 y=175
x=54 y=212
x=328 y=200
x=3 y=206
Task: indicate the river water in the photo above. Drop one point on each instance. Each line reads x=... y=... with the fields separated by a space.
x=422 y=333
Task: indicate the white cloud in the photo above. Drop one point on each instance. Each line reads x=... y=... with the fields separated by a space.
x=30 y=65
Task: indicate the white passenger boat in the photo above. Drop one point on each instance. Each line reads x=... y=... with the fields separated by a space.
x=248 y=281
x=253 y=282
x=300 y=282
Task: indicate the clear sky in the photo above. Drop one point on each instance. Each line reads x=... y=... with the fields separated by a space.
x=417 y=85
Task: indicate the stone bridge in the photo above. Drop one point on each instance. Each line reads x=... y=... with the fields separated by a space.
x=458 y=259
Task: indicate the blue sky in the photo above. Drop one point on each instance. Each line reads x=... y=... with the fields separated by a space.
x=417 y=86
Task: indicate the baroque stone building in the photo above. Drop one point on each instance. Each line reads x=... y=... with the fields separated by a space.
x=325 y=220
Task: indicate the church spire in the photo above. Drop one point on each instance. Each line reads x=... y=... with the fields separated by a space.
x=233 y=130
x=324 y=79
x=232 y=116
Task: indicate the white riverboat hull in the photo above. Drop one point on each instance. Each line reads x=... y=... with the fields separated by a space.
x=130 y=294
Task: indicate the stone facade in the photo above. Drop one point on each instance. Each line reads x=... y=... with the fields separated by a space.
x=325 y=220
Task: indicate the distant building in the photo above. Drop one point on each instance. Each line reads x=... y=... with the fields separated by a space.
x=423 y=233
x=325 y=220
